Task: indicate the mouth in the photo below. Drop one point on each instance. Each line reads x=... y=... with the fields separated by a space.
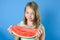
x=30 y=18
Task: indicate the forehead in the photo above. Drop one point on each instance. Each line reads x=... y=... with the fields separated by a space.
x=29 y=9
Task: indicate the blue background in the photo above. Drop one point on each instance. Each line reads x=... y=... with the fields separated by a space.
x=12 y=11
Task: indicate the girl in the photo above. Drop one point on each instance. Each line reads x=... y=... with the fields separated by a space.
x=32 y=20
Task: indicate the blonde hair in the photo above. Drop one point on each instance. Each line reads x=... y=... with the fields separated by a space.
x=34 y=7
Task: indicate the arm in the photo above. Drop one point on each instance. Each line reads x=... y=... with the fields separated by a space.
x=16 y=37
x=42 y=37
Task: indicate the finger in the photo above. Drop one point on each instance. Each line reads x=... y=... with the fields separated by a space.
x=38 y=34
x=9 y=27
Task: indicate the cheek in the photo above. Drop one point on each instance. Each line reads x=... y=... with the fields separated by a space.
x=32 y=16
x=26 y=15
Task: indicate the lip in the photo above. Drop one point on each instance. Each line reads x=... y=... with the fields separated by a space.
x=29 y=18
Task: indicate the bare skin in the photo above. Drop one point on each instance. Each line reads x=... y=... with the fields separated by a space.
x=29 y=14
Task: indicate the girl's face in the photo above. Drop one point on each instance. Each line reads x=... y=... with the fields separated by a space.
x=29 y=13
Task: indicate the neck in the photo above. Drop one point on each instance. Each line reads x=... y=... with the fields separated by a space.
x=29 y=23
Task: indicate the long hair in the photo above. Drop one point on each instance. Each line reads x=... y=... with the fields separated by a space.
x=34 y=7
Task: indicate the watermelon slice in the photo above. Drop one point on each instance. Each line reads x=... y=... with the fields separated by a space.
x=24 y=32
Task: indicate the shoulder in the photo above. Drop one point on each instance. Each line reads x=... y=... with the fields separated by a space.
x=41 y=26
x=20 y=23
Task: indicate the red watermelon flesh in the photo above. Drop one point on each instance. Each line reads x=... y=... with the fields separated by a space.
x=23 y=31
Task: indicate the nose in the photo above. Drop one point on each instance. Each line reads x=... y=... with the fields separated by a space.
x=29 y=14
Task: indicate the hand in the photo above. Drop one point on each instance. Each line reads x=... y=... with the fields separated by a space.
x=10 y=29
x=38 y=34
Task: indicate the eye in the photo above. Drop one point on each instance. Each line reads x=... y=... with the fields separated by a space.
x=32 y=13
x=27 y=12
